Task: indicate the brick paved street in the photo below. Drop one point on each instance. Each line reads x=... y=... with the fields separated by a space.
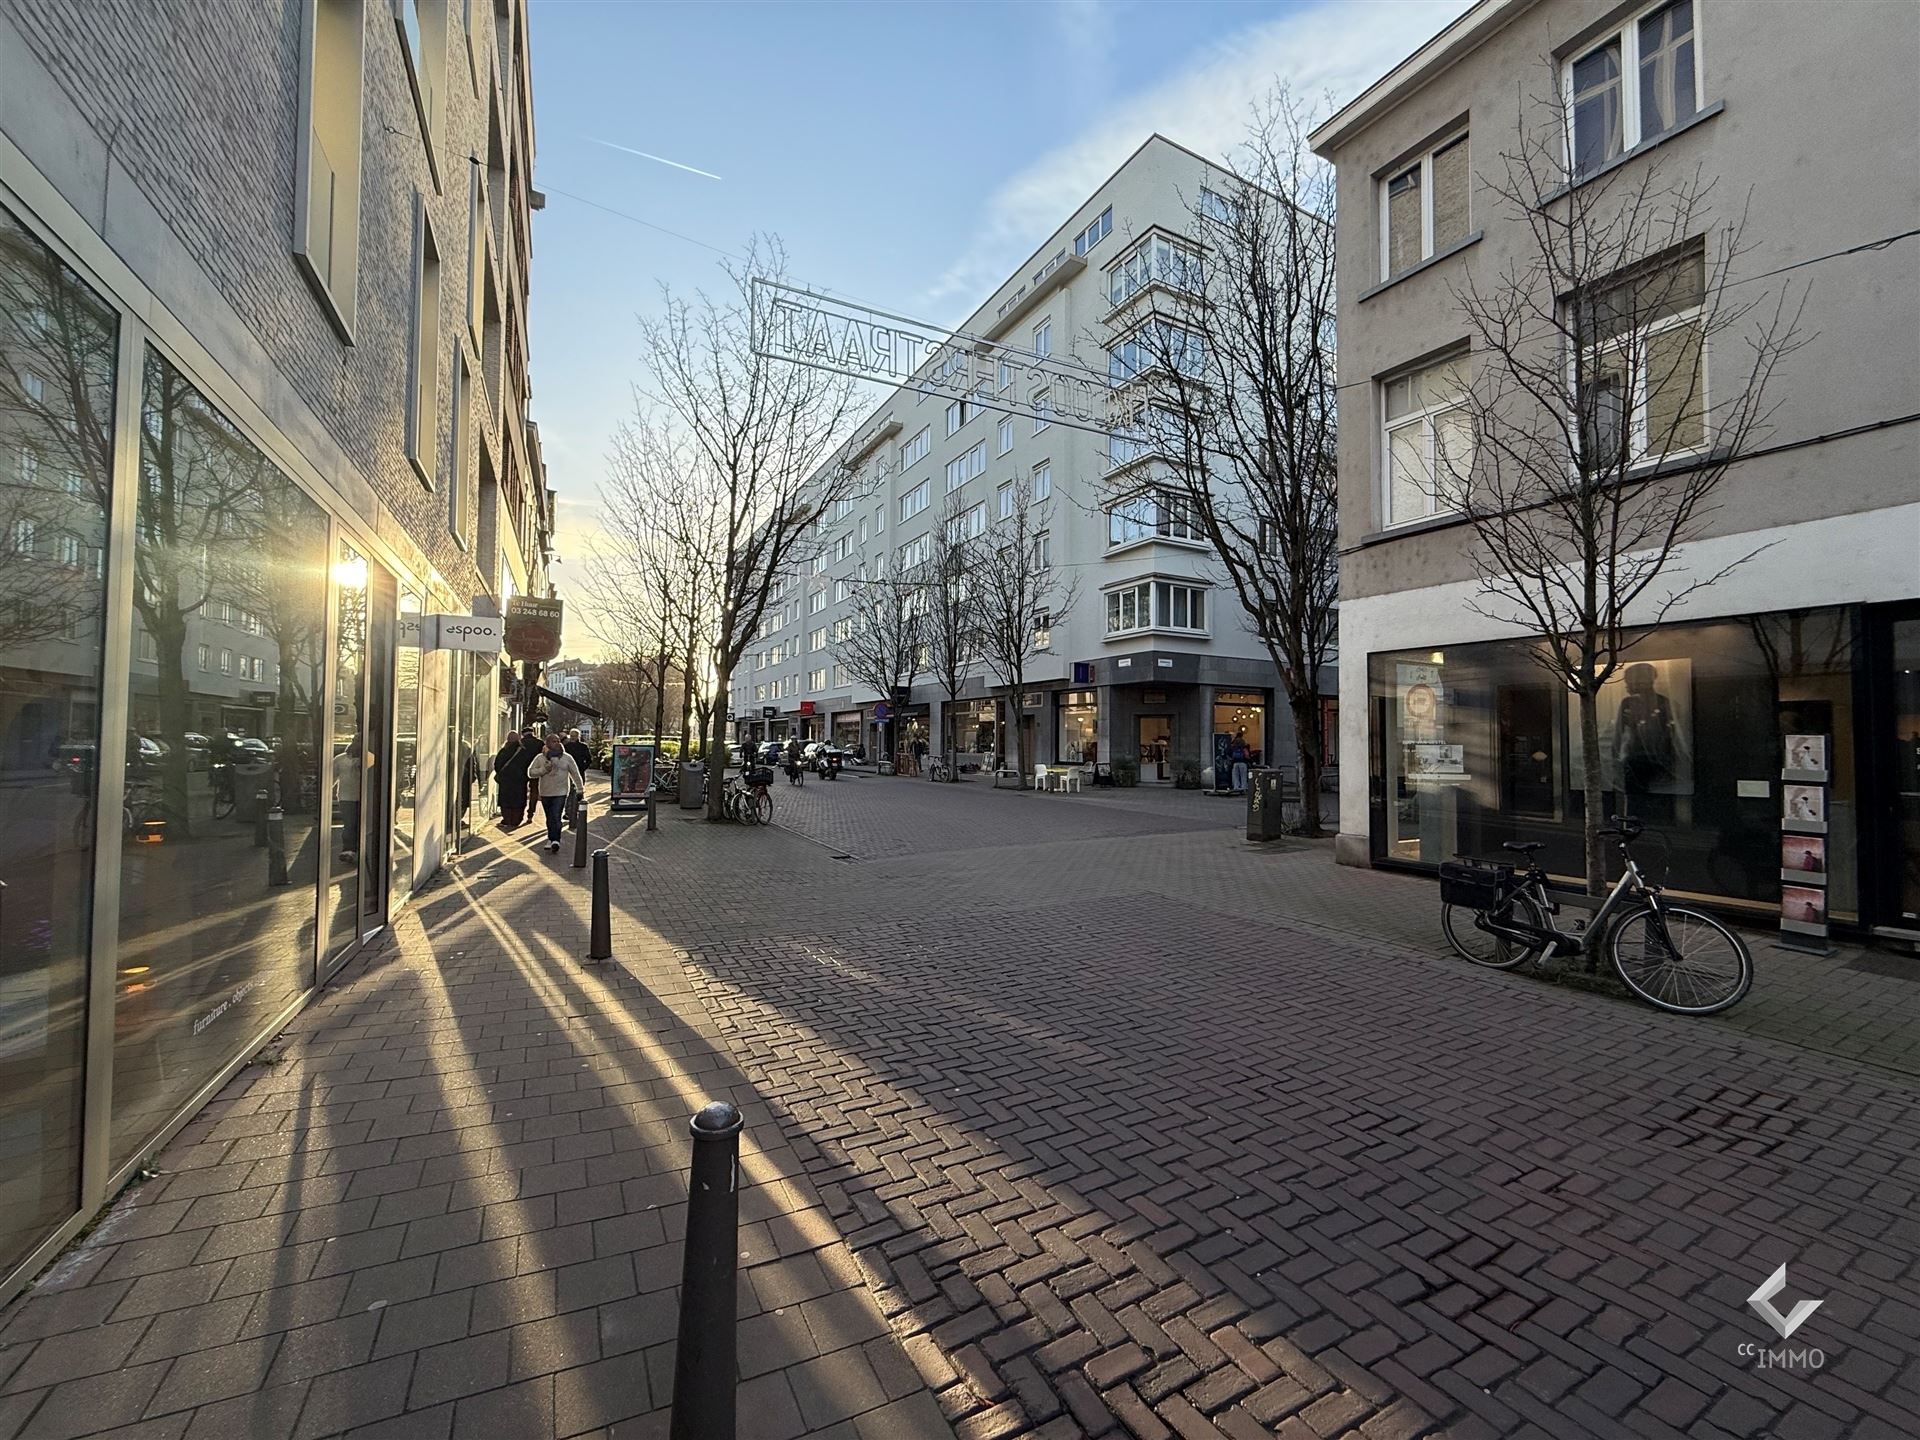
x=1130 y=1128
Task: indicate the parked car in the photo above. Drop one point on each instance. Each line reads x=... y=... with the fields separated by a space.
x=772 y=752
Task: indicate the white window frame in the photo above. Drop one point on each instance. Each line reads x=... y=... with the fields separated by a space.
x=1005 y=500
x=1043 y=408
x=916 y=449
x=1428 y=419
x=1628 y=37
x=1042 y=480
x=1043 y=338
x=916 y=500
x=1641 y=368
x=1006 y=434
x=1425 y=165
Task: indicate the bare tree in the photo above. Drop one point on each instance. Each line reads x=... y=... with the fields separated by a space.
x=1587 y=449
x=1021 y=596
x=881 y=638
x=1223 y=362
x=951 y=610
x=762 y=436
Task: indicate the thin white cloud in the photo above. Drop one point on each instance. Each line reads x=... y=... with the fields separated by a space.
x=657 y=159
x=1333 y=50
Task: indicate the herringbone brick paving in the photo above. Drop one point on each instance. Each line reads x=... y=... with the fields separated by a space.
x=1127 y=1148
x=449 y=1204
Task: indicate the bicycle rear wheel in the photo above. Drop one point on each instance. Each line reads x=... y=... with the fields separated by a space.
x=1680 y=960
x=761 y=807
x=1495 y=952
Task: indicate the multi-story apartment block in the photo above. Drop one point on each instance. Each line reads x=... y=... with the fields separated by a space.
x=1154 y=658
x=1802 y=119
x=263 y=410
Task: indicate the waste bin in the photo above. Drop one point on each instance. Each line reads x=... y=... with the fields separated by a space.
x=250 y=792
x=693 y=774
x=1266 y=794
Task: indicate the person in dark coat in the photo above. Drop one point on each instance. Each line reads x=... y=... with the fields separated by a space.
x=510 y=780
x=530 y=746
x=509 y=747
x=577 y=748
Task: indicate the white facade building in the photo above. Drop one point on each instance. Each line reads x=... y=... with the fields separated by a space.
x=1154 y=659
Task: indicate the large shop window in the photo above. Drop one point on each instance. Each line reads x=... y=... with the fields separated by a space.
x=221 y=848
x=57 y=345
x=1079 y=727
x=1474 y=745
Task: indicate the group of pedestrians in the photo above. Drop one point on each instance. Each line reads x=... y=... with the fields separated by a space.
x=527 y=767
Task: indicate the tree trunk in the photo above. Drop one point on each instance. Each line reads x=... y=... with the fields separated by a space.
x=1307 y=744
x=1592 y=777
x=660 y=698
x=1014 y=710
x=717 y=751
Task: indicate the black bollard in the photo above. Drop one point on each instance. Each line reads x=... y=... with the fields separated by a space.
x=703 y=1366
x=580 y=837
x=276 y=847
x=600 y=945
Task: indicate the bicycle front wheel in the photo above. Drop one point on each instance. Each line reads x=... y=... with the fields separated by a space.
x=761 y=807
x=1495 y=952
x=1680 y=960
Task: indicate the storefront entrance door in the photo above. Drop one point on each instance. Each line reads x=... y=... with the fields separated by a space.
x=1895 y=863
x=1156 y=739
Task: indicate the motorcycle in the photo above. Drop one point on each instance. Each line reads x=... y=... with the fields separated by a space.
x=828 y=764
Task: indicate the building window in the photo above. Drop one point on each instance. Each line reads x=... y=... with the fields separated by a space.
x=423 y=40
x=1156 y=260
x=1043 y=406
x=1424 y=207
x=1179 y=607
x=880 y=521
x=915 y=552
x=1166 y=346
x=915 y=450
x=423 y=390
x=459 y=516
x=1634 y=86
x=816 y=602
x=1005 y=376
x=1043 y=549
x=326 y=221
x=226 y=662
x=956 y=416
x=1129 y=609
x=840 y=591
x=1429 y=442
x=203 y=656
x=817 y=639
x=842 y=547
x=916 y=500
x=967 y=467
x=1042 y=630
x=1217 y=208
x=1642 y=382
x=1043 y=339
x=1094 y=233
x=20 y=537
x=816 y=680
x=1042 y=480
x=1151 y=515
x=967 y=525
x=1006 y=436
x=1005 y=496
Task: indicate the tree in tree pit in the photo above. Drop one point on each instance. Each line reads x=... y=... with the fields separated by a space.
x=1021 y=596
x=951 y=620
x=762 y=437
x=1223 y=368
x=880 y=639
x=1580 y=437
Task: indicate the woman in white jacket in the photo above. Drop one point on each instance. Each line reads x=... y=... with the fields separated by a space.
x=556 y=775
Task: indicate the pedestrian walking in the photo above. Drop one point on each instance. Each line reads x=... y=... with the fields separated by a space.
x=1237 y=756
x=509 y=747
x=557 y=777
x=512 y=780
x=577 y=748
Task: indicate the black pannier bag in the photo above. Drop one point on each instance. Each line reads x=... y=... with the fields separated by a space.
x=1473 y=884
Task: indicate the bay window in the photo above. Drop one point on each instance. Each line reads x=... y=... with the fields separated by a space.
x=1156 y=605
x=1151 y=515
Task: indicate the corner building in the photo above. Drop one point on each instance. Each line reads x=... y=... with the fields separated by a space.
x=1155 y=659
x=1456 y=740
x=263 y=400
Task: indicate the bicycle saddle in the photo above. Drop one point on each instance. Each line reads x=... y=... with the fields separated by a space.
x=1522 y=847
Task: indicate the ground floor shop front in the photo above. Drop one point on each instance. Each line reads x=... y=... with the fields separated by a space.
x=225 y=754
x=1774 y=758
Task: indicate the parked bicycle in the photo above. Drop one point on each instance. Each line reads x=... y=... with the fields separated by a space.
x=750 y=797
x=939 y=768
x=1675 y=958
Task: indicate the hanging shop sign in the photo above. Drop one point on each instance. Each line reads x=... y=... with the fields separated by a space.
x=806 y=707
x=484 y=634
x=1803 y=842
x=533 y=628
x=632 y=775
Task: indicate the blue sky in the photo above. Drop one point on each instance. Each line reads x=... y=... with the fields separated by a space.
x=910 y=154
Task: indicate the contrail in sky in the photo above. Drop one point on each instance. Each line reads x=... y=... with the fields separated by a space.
x=657 y=159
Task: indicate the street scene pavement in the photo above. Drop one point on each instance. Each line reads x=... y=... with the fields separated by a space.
x=1067 y=1115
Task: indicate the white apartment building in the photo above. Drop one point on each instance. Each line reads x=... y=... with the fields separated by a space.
x=1155 y=657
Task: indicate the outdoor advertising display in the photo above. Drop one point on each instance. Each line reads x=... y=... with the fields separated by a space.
x=632 y=774
x=533 y=628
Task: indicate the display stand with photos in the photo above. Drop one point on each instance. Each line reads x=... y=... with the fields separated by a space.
x=1803 y=842
x=632 y=777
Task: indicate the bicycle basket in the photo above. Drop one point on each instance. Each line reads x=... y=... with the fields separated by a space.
x=1473 y=884
x=760 y=776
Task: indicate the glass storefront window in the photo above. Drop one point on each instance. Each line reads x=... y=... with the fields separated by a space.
x=349 y=747
x=220 y=858
x=1474 y=745
x=1240 y=719
x=1079 y=727
x=406 y=743
x=57 y=346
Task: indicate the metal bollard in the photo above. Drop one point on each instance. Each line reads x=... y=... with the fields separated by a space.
x=259 y=819
x=276 y=847
x=580 y=837
x=703 y=1366
x=653 y=805
x=600 y=945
